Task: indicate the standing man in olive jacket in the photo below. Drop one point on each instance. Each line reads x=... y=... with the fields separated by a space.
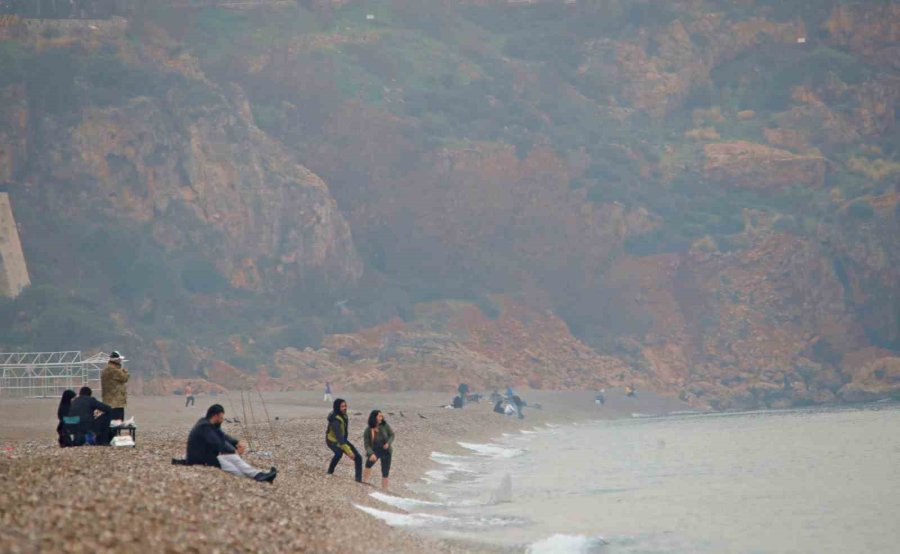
x=113 y=379
x=208 y=445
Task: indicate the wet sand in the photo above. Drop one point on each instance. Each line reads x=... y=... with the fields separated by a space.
x=97 y=499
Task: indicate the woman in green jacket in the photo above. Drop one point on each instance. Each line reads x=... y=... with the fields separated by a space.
x=379 y=440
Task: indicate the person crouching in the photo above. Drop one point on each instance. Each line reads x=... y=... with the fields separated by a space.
x=208 y=445
x=336 y=438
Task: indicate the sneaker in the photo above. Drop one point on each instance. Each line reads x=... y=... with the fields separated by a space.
x=267 y=476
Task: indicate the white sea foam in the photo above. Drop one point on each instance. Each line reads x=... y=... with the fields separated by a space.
x=492 y=450
x=408 y=504
x=437 y=475
x=527 y=432
x=457 y=463
x=567 y=544
x=406 y=520
x=419 y=519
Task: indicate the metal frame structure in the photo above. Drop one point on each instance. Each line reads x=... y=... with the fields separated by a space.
x=48 y=374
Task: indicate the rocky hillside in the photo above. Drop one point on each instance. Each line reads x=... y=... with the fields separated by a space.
x=698 y=197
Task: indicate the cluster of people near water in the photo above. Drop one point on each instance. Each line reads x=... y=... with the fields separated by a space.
x=209 y=445
x=85 y=420
x=510 y=405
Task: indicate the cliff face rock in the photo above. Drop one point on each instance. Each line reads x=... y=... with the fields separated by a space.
x=765 y=326
x=657 y=69
x=867 y=253
x=503 y=215
x=453 y=342
x=747 y=164
x=238 y=195
x=872 y=30
x=193 y=167
x=879 y=379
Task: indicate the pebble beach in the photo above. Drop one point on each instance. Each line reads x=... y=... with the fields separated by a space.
x=104 y=499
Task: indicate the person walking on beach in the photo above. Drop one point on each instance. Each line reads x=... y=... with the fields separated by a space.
x=188 y=396
x=208 y=445
x=327 y=391
x=113 y=379
x=378 y=439
x=336 y=438
x=600 y=399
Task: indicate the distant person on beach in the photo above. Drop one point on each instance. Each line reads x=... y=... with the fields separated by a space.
x=113 y=379
x=208 y=445
x=336 y=438
x=65 y=403
x=630 y=391
x=188 y=396
x=84 y=408
x=519 y=404
x=457 y=402
x=509 y=392
x=498 y=407
x=378 y=439
x=600 y=399
x=463 y=390
x=327 y=391
x=510 y=409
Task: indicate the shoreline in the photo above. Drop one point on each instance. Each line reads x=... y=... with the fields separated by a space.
x=190 y=509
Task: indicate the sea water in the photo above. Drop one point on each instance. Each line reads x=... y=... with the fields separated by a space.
x=805 y=481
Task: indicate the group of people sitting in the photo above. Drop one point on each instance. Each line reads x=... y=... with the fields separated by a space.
x=210 y=446
x=85 y=420
x=510 y=405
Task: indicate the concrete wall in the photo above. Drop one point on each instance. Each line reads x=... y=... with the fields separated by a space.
x=13 y=271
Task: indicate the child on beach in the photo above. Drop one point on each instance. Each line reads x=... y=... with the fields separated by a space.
x=379 y=442
x=336 y=438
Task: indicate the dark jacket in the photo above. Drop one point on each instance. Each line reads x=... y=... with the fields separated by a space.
x=206 y=442
x=383 y=435
x=83 y=407
x=338 y=425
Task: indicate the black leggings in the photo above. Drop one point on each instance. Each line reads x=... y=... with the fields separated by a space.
x=385 y=457
x=339 y=453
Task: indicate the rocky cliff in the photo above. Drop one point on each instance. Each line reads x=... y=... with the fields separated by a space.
x=698 y=197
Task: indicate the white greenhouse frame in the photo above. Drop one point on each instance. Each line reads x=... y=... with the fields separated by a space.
x=48 y=374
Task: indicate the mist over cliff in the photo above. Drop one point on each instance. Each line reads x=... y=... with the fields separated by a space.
x=699 y=197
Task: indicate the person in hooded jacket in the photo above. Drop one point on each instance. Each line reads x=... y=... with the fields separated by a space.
x=336 y=438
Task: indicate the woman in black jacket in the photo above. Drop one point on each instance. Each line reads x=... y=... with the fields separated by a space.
x=63 y=411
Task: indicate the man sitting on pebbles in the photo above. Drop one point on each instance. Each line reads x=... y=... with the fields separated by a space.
x=208 y=445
